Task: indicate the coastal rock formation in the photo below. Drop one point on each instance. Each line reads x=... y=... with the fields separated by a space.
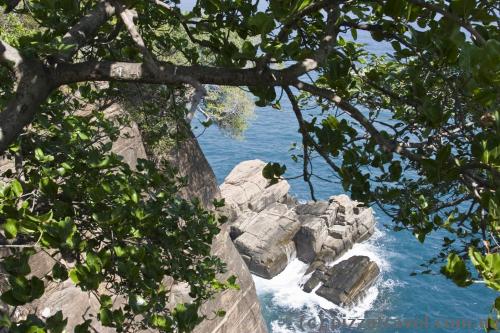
x=346 y=281
x=266 y=240
x=270 y=227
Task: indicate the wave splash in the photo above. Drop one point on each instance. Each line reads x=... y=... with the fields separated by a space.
x=291 y=306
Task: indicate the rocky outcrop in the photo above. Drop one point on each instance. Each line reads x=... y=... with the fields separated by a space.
x=266 y=240
x=345 y=282
x=271 y=227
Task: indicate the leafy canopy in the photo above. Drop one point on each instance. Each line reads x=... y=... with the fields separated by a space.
x=404 y=93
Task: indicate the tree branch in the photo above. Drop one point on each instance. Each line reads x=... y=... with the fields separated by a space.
x=462 y=22
x=127 y=16
x=33 y=87
x=86 y=28
x=356 y=114
x=10 y=56
x=305 y=133
x=168 y=74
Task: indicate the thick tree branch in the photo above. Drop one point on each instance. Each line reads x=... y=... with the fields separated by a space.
x=33 y=87
x=87 y=28
x=168 y=74
x=9 y=56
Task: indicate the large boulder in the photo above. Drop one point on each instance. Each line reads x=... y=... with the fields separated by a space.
x=245 y=188
x=266 y=240
x=346 y=281
x=310 y=238
x=313 y=231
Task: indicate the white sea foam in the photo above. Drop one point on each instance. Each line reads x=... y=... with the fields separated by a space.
x=285 y=288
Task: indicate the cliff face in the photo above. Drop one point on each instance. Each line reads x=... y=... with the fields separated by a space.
x=243 y=313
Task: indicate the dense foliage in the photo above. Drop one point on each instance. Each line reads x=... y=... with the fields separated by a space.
x=409 y=121
x=114 y=231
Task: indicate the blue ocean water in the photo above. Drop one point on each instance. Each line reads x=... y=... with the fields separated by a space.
x=431 y=301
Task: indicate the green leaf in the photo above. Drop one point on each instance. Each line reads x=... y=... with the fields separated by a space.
x=161 y=322
x=106 y=301
x=56 y=323
x=73 y=274
x=37 y=288
x=261 y=23
x=10 y=228
x=16 y=188
x=93 y=262
x=273 y=172
x=248 y=49
x=59 y=272
x=106 y=317
x=456 y=270
x=83 y=327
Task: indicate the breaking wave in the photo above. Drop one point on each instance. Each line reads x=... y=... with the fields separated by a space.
x=283 y=293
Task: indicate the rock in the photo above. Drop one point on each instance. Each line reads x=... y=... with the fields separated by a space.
x=364 y=236
x=348 y=279
x=243 y=312
x=317 y=208
x=245 y=187
x=338 y=231
x=268 y=218
x=267 y=240
x=345 y=203
x=270 y=195
x=316 y=278
x=289 y=201
x=310 y=238
x=365 y=218
x=238 y=227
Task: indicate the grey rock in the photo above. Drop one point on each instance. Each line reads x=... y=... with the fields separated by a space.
x=270 y=195
x=338 y=231
x=267 y=240
x=310 y=238
x=289 y=201
x=317 y=208
x=245 y=188
x=316 y=278
x=348 y=280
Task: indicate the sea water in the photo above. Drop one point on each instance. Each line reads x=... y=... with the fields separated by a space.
x=424 y=303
